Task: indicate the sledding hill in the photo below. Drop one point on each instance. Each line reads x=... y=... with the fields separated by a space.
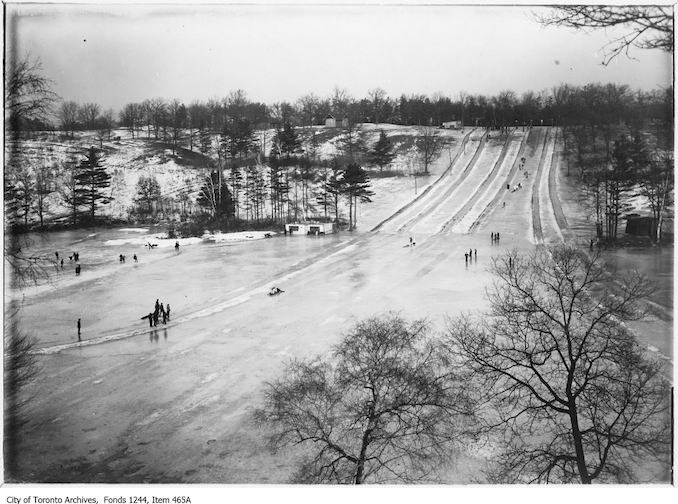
x=180 y=171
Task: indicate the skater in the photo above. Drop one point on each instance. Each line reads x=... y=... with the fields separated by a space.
x=497 y=235
x=79 y=330
x=57 y=256
x=470 y=252
x=410 y=241
x=492 y=237
x=77 y=270
x=135 y=258
x=157 y=305
x=176 y=246
x=155 y=319
x=591 y=245
x=466 y=258
x=162 y=309
x=475 y=254
x=168 y=311
x=120 y=257
x=62 y=263
x=164 y=317
x=503 y=205
x=508 y=187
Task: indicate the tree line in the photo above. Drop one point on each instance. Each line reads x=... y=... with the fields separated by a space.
x=620 y=152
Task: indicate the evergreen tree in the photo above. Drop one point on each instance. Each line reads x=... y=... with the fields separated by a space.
x=335 y=187
x=242 y=138
x=356 y=187
x=382 y=153
x=91 y=180
x=290 y=145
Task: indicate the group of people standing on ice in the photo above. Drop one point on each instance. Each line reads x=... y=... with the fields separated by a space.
x=154 y=316
x=73 y=257
x=471 y=255
x=494 y=237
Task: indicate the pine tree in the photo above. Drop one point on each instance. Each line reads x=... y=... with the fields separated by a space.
x=91 y=180
x=289 y=141
x=382 y=153
x=335 y=187
x=356 y=187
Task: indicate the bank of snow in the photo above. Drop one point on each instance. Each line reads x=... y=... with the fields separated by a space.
x=163 y=241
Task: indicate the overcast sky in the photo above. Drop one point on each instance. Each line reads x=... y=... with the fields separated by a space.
x=117 y=54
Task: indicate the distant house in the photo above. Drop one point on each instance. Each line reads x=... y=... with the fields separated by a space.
x=331 y=122
x=452 y=125
x=309 y=228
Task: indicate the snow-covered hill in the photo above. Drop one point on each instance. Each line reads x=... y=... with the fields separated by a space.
x=127 y=159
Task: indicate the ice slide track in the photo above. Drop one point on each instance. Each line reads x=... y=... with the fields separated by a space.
x=536 y=216
x=500 y=192
x=475 y=196
x=561 y=220
x=446 y=192
x=434 y=184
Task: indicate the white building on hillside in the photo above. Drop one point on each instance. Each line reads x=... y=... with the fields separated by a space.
x=331 y=122
x=452 y=125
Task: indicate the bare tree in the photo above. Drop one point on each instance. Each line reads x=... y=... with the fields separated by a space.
x=382 y=410
x=28 y=94
x=646 y=26
x=19 y=370
x=68 y=116
x=104 y=125
x=45 y=184
x=378 y=99
x=656 y=183
x=430 y=144
x=564 y=391
x=88 y=113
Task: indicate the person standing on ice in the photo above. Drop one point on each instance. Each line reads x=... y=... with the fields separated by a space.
x=176 y=246
x=57 y=255
x=475 y=254
x=79 y=330
x=62 y=264
x=135 y=258
x=466 y=258
x=168 y=311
